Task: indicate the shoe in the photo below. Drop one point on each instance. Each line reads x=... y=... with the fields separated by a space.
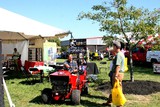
x=107 y=104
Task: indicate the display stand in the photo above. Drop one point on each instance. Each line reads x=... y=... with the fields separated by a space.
x=78 y=50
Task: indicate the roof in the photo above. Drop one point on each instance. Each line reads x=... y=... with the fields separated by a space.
x=16 y=27
x=94 y=37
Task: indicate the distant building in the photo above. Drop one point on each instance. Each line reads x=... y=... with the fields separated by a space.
x=93 y=44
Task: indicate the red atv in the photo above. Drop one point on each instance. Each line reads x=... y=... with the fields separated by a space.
x=66 y=85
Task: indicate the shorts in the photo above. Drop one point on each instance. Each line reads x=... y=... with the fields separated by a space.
x=112 y=77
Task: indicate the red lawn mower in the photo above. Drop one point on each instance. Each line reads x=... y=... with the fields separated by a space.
x=66 y=85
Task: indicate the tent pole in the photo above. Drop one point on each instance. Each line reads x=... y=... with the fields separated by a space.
x=1 y=79
x=22 y=36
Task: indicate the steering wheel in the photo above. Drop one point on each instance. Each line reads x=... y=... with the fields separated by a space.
x=81 y=72
x=71 y=70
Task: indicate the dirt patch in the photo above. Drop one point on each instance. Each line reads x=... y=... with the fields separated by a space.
x=138 y=87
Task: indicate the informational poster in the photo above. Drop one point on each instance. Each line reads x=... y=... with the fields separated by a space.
x=49 y=53
x=156 y=68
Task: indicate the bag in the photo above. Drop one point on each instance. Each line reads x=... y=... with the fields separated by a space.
x=118 y=97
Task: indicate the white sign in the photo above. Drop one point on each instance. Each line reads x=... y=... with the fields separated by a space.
x=156 y=68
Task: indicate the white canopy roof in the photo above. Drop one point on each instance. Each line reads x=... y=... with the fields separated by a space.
x=17 y=27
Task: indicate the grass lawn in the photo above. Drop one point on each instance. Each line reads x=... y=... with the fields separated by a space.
x=25 y=95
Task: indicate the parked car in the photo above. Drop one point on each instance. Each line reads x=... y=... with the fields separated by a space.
x=153 y=56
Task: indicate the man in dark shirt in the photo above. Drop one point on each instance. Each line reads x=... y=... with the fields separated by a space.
x=70 y=64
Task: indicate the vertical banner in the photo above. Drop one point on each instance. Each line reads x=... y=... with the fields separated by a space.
x=49 y=53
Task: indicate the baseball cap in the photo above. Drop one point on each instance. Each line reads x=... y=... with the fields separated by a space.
x=117 y=44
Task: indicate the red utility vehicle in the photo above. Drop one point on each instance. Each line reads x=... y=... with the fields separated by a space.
x=66 y=85
x=138 y=55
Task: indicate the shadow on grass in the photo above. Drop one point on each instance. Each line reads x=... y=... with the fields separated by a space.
x=14 y=75
x=98 y=81
x=37 y=100
x=95 y=96
x=85 y=103
x=30 y=82
x=138 y=87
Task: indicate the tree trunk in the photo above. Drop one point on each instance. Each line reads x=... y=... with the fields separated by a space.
x=131 y=66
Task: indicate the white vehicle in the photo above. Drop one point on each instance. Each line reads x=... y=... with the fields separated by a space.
x=153 y=56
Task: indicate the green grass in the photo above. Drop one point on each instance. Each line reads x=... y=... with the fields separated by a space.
x=24 y=95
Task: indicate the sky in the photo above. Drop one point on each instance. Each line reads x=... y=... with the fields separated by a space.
x=63 y=14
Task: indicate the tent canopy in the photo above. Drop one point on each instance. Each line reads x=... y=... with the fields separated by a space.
x=17 y=27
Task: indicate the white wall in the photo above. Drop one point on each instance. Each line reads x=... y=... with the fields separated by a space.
x=95 y=41
x=22 y=48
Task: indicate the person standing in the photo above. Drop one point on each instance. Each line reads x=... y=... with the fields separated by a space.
x=117 y=69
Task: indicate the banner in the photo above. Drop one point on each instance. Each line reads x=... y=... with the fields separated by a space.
x=49 y=53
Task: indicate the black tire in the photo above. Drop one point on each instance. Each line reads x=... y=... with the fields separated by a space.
x=46 y=95
x=85 y=89
x=153 y=61
x=76 y=97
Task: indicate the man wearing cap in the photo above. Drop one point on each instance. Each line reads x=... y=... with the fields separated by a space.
x=117 y=68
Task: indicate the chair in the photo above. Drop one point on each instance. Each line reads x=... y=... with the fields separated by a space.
x=31 y=73
x=103 y=65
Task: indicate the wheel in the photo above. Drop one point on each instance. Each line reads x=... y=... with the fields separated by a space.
x=153 y=61
x=46 y=95
x=85 y=89
x=76 y=97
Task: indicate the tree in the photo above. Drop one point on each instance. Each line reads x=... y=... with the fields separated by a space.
x=64 y=48
x=115 y=18
x=156 y=45
x=57 y=40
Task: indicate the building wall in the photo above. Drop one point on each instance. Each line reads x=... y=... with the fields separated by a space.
x=95 y=41
x=36 y=43
x=94 y=48
x=94 y=44
x=102 y=48
x=65 y=43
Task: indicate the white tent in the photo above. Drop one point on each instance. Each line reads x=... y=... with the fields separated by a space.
x=17 y=27
x=16 y=30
